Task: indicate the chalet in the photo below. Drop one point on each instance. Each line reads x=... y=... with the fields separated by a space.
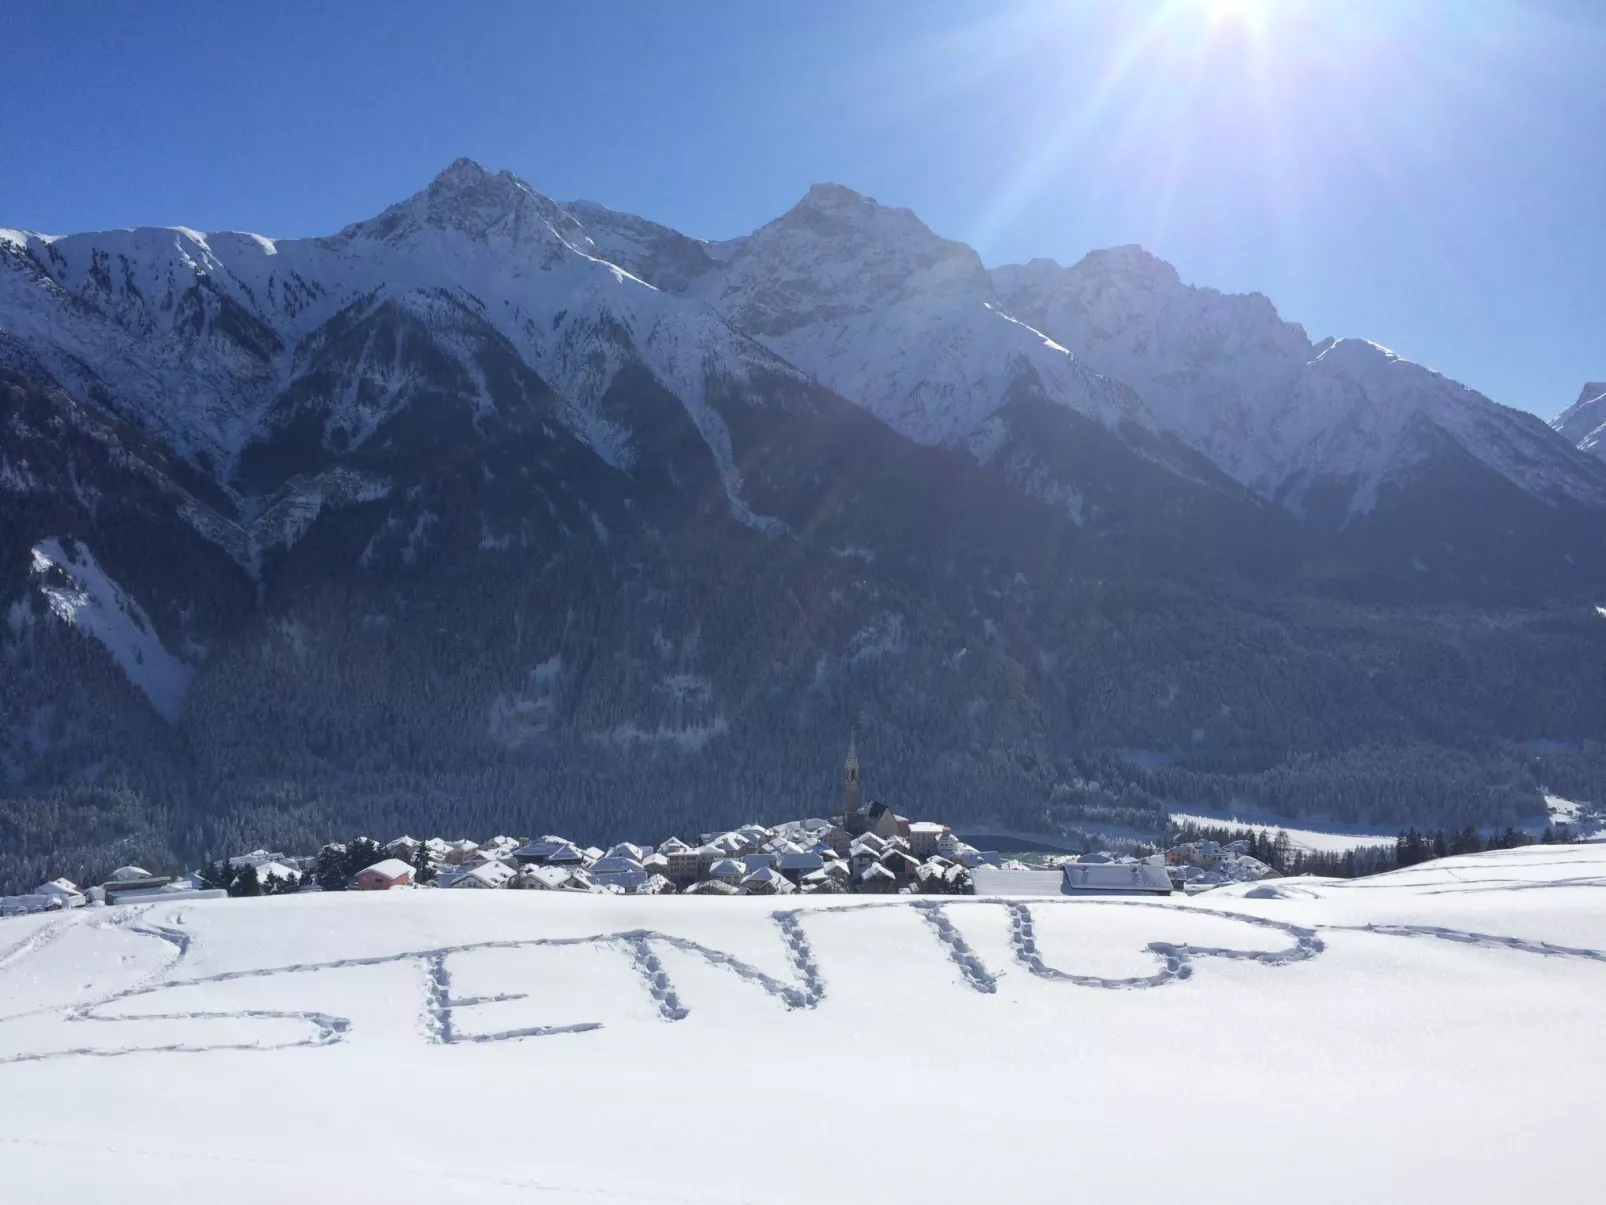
x=655 y=863
x=795 y=866
x=536 y=853
x=948 y=845
x=63 y=890
x=903 y=866
x=616 y=870
x=766 y=880
x=486 y=876
x=758 y=860
x=877 y=880
x=382 y=876
x=459 y=852
x=839 y=839
x=405 y=848
x=673 y=846
x=540 y=878
x=568 y=855
x=656 y=884
x=728 y=870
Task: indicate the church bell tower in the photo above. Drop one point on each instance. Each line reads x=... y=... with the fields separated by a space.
x=850 y=779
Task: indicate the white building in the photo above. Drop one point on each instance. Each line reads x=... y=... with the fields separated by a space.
x=486 y=876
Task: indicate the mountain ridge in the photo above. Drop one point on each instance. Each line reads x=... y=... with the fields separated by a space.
x=453 y=510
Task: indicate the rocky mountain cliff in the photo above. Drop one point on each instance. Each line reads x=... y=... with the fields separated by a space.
x=1584 y=422
x=494 y=512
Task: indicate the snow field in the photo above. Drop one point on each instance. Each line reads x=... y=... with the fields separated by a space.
x=531 y=1046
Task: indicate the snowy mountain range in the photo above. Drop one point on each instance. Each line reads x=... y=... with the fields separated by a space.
x=587 y=485
x=225 y=347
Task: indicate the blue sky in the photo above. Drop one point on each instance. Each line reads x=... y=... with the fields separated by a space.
x=1428 y=174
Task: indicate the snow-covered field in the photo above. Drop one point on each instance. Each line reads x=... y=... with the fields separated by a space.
x=1311 y=840
x=1430 y=1035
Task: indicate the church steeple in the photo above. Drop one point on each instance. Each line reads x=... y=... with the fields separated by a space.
x=850 y=777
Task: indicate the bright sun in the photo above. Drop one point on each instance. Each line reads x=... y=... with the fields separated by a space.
x=1247 y=11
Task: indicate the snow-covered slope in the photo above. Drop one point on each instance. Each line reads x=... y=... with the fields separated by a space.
x=478 y=294
x=1206 y=362
x=213 y=341
x=873 y=305
x=461 y=1046
x=1584 y=422
x=82 y=594
x=1360 y=415
x=1278 y=413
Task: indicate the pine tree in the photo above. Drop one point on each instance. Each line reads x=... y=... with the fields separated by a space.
x=423 y=868
x=246 y=885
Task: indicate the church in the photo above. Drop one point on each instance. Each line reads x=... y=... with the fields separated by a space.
x=878 y=818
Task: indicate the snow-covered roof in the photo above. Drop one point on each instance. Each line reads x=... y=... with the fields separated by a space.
x=876 y=871
x=674 y=845
x=711 y=887
x=626 y=849
x=462 y=846
x=390 y=868
x=57 y=887
x=281 y=870
x=989 y=880
x=126 y=874
x=927 y=826
x=546 y=876
x=491 y=874
x=727 y=866
x=800 y=860
x=615 y=864
x=1115 y=877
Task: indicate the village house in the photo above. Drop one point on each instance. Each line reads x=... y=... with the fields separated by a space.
x=486 y=876
x=925 y=838
x=684 y=865
x=63 y=890
x=459 y=852
x=766 y=880
x=382 y=876
x=728 y=870
x=617 y=870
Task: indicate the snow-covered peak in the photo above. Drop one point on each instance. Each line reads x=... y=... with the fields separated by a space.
x=484 y=206
x=874 y=305
x=1203 y=360
x=1584 y=422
